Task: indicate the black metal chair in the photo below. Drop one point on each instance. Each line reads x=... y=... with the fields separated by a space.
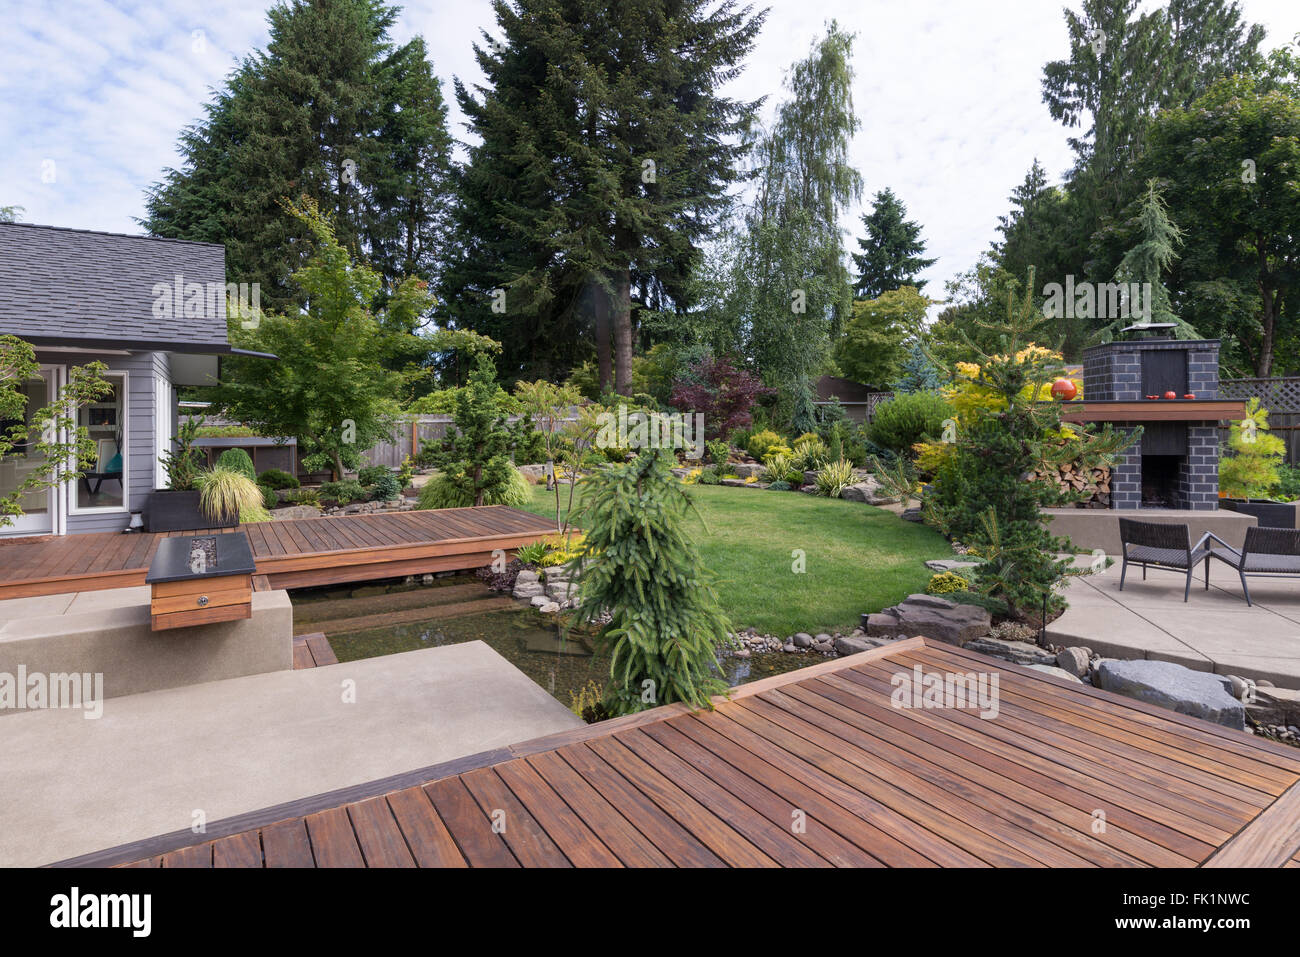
x=1161 y=546
x=1267 y=553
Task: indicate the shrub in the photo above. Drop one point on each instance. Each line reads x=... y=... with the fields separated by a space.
x=833 y=477
x=237 y=460
x=779 y=467
x=807 y=437
x=809 y=453
x=723 y=394
x=1288 y=489
x=441 y=491
x=718 y=452
x=945 y=583
x=907 y=419
x=760 y=442
x=225 y=494
x=386 y=489
x=344 y=492
x=269 y=499
x=779 y=486
x=303 y=496
x=639 y=565
x=532 y=553
x=709 y=476
x=371 y=474
x=277 y=479
x=1252 y=470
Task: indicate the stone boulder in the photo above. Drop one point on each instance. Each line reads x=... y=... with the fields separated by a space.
x=1017 y=652
x=949 y=565
x=853 y=644
x=931 y=616
x=528 y=589
x=1163 y=683
x=295 y=511
x=1055 y=672
x=744 y=470
x=867 y=490
x=1073 y=660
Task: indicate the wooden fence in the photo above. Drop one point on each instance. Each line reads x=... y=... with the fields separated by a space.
x=1280 y=395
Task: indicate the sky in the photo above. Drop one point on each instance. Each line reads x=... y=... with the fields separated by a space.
x=93 y=95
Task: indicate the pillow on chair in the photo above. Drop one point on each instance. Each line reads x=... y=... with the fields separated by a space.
x=114 y=464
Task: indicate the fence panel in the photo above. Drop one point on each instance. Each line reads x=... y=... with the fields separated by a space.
x=1280 y=395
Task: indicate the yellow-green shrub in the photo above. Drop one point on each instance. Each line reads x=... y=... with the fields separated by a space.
x=761 y=442
x=945 y=583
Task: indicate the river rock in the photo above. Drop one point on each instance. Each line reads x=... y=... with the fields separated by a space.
x=802 y=640
x=1163 y=683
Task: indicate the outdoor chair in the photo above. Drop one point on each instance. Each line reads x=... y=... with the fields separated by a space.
x=108 y=466
x=1267 y=553
x=1161 y=546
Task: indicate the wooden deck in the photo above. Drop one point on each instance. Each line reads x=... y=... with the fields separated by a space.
x=290 y=554
x=810 y=769
x=312 y=651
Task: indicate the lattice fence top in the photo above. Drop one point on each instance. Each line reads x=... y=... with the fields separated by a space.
x=874 y=399
x=1280 y=394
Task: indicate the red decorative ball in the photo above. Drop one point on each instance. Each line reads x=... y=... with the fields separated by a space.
x=1064 y=390
x=1171 y=394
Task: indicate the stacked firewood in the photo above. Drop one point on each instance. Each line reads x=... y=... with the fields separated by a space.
x=1093 y=484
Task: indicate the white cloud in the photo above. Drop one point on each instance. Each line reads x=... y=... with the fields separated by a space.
x=948 y=92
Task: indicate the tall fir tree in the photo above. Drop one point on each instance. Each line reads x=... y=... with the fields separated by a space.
x=892 y=249
x=607 y=152
x=330 y=111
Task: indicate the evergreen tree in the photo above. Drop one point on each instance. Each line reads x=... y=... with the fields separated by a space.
x=330 y=111
x=918 y=372
x=607 y=150
x=872 y=348
x=475 y=457
x=638 y=563
x=1146 y=263
x=891 y=250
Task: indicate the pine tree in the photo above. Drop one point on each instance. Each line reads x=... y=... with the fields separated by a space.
x=918 y=372
x=475 y=457
x=892 y=249
x=330 y=111
x=638 y=563
x=607 y=151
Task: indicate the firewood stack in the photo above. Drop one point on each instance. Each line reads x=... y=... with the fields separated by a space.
x=1093 y=483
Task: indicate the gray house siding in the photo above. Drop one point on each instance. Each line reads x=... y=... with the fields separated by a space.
x=141 y=369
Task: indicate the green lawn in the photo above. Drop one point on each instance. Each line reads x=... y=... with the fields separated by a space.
x=858 y=558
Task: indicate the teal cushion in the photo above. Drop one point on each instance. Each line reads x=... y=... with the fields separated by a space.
x=114 y=464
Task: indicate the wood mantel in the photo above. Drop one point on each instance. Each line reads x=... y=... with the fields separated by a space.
x=1154 y=410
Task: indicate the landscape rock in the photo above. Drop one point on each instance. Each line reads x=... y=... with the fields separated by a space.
x=949 y=565
x=537 y=601
x=561 y=591
x=1056 y=672
x=849 y=645
x=1163 y=683
x=1017 y=652
x=528 y=590
x=550 y=608
x=1275 y=705
x=933 y=617
x=1073 y=660
x=868 y=490
x=526 y=576
x=295 y=512
x=802 y=640
x=744 y=470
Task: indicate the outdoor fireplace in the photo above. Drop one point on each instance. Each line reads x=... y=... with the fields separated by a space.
x=1175 y=464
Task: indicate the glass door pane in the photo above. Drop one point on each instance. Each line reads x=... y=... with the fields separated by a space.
x=24 y=459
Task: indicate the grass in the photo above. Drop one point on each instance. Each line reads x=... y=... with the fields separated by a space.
x=857 y=558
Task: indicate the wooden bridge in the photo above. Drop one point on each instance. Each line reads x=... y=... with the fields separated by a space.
x=289 y=554
x=813 y=768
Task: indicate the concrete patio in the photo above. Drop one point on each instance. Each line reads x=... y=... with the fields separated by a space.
x=1214 y=631
x=72 y=786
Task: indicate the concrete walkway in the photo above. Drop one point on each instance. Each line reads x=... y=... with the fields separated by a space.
x=1214 y=631
x=71 y=786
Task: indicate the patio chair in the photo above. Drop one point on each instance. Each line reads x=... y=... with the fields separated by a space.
x=1161 y=546
x=1267 y=553
x=108 y=466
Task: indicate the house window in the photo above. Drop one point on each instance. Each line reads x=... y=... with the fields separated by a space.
x=104 y=481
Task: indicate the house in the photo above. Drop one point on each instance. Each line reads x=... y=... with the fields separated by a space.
x=859 y=401
x=154 y=312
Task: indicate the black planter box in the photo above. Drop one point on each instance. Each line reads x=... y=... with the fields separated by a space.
x=178 y=512
x=1268 y=514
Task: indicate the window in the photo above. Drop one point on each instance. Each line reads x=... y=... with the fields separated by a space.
x=104 y=481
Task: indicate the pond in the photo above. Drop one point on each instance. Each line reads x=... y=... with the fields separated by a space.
x=365 y=621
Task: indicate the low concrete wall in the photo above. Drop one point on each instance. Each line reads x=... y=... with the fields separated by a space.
x=1093 y=528
x=107 y=632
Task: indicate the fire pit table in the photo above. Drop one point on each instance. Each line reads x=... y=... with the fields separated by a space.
x=200 y=579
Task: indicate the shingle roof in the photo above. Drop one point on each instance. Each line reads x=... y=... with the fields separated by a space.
x=79 y=286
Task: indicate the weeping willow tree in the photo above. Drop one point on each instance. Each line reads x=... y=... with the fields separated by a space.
x=792 y=289
x=638 y=563
x=1143 y=266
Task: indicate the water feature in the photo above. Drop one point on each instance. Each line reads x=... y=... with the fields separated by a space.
x=386 y=618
